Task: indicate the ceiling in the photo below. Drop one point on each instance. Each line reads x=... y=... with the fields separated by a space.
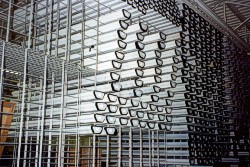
x=235 y=13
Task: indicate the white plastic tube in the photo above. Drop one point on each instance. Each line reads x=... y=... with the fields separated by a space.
x=138 y=27
x=131 y=73
x=159 y=36
x=151 y=80
x=131 y=84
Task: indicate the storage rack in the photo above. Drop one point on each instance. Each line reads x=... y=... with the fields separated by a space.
x=60 y=67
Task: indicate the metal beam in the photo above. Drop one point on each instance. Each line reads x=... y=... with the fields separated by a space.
x=240 y=16
x=203 y=10
x=239 y=26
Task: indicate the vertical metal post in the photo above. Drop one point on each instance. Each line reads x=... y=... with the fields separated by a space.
x=51 y=121
x=77 y=150
x=83 y=32
x=25 y=18
x=97 y=40
x=158 y=149
x=8 y=22
x=130 y=146
x=119 y=146
x=68 y=28
x=34 y=10
x=149 y=147
x=1 y=77
x=50 y=27
x=96 y=69
x=57 y=27
x=27 y=126
x=1 y=82
x=141 y=145
x=43 y=110
x=38 y=124
x=30 y=23
x=61 y=138
x=153 y=148
x=94 y=150
x=22 y=108
x=30 y=151
x=165 y=147
x=107 y=156
x=45 y=28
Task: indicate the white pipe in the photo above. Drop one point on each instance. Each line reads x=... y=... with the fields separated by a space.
x=159 y=36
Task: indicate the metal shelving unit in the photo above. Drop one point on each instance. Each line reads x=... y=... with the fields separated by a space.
x=118 y=83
